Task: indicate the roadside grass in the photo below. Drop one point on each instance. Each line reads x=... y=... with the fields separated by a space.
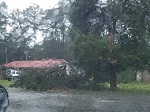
x=6 y=83
x=135 y=87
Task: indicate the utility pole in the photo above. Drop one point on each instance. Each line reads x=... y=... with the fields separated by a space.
x=26 y=55
x=6 y=58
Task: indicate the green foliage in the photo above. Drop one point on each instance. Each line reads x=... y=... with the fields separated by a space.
x=80 y=13
x=92 y=44
x=92 y=85
x=46 y=79
x=3 y=38
x=135 y=87
x=6 y=83
x=41 y=79
x=126 y=76
x=127 y=24
x=49 y=49
x=131 y=47
x=92 y=51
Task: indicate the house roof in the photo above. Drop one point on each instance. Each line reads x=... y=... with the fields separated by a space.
x=34 y=64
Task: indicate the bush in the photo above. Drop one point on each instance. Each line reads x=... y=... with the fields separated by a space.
x=127 y=76
x=92 y=85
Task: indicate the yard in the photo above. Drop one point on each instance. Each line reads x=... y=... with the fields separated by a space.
x=6 y=83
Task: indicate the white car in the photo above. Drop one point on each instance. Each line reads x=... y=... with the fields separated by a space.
x=12 y=74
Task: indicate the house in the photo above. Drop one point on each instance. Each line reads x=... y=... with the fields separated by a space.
x=34 y=64
x=50 y=63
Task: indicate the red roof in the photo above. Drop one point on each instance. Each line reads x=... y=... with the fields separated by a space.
x=34 y=64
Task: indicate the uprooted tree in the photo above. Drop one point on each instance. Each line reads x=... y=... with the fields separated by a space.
x=49 y=78
x=114 y=33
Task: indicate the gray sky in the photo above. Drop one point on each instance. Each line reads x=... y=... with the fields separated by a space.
x=22 y=4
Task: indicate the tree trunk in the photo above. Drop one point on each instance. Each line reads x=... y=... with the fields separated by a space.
x=113 y=80
x=113 y=73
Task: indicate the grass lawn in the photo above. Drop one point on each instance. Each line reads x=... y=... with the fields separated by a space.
x=6 y=83
x=135 y=87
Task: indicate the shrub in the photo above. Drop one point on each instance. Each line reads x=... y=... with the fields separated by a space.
x=92 y=85
x=127 y=76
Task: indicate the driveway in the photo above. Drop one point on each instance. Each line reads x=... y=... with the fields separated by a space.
x=67 y=101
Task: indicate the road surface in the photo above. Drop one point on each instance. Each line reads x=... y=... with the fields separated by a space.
x=66 y=101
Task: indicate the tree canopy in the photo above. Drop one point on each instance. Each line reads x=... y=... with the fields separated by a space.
x=120 y=34
x=20 y=29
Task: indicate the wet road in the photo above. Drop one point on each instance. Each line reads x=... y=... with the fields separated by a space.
x=29 y=101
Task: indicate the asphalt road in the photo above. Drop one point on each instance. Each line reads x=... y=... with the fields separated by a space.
x=62 y=101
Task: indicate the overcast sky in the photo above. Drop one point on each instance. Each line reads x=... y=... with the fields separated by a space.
x=22 y=4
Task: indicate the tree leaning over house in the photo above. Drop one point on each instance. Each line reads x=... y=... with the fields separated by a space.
x=115 y=33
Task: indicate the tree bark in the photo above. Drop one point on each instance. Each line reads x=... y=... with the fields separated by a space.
x=113 y=79
x=113 y=73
